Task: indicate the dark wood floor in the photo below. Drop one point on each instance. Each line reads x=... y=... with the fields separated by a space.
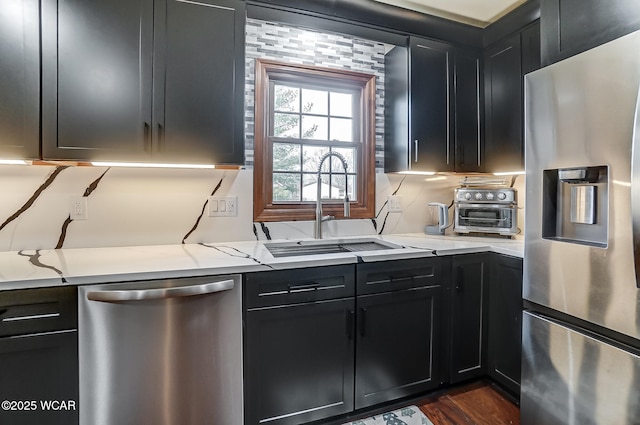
x=473 y=404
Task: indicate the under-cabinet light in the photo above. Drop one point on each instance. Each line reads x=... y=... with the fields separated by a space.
x=13 y=162
x=149 y=165
x=510 y=173
x=418 y=173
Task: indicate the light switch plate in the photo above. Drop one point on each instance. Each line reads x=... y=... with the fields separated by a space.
x=223 y=206
x=394 y=203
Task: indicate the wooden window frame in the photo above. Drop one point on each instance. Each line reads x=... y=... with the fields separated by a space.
x=264 y=209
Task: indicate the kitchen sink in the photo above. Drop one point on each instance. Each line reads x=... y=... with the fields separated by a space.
x=291 y=249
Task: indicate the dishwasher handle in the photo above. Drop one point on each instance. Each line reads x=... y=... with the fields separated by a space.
x=115 y=296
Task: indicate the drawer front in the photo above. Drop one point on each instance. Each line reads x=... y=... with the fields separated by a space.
x=388 y=276
x=28 y=311
x=280 y=287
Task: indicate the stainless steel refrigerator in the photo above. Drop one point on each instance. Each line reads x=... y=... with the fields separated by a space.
x=581 y=324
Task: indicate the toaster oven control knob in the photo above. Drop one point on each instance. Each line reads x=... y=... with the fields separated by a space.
x=478 y=196
x=490 y=196
x=502 y=196
x=467 y=196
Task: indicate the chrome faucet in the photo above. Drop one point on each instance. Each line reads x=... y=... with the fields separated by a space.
x=347 y=209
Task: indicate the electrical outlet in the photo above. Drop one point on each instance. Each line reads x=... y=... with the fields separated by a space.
x=394 y=203
x=223 y=206
x=78 y=208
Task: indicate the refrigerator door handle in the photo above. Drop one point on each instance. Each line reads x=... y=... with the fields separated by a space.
x=635 y=186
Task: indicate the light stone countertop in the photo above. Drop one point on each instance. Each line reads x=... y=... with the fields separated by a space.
x=59 y=267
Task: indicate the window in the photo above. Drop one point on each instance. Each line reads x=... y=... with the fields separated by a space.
x=301 y=113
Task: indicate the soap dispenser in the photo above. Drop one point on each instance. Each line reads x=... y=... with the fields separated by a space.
x=443 y=220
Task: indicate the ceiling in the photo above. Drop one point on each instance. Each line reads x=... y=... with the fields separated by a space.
x=474 y=12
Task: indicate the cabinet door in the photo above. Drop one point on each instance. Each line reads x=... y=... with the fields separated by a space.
x=469 y=316
x=505 y=322
x=199 y=81
x=468 y=134
x=97 y=79
x=530 y=38
x=504 y=106
x=397 y=350
x=19 y=79
x=431 y=106
x=573 y=26
x=40 y=368
x=298 y=362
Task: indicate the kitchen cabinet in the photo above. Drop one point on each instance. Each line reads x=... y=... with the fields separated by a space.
x=432 y=108
x=299 y=343
x=505 y=322
x=39 y=355
x=573 y=26
x=469 y=324
x=506 y=62
x=19 y=79
x=141 y=80
x=399 y=329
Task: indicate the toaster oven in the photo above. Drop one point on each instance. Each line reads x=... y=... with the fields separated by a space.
x=479 y=210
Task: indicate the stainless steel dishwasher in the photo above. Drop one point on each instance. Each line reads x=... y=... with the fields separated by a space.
x=162 y=352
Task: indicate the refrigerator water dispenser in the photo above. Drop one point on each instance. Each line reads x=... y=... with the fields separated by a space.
x=575 y=205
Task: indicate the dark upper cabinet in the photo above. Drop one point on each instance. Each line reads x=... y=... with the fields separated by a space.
x=469 y=324
x=138 y=80
x=469 y=137
x=399 y=329
x=19 y=79
x=432 y=108
x=505 y=322
x=573 y=26
x=506 y=62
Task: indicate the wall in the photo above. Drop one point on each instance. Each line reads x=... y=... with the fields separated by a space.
x=128 y=206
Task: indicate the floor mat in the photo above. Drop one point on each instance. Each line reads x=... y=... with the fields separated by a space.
x=409 y=415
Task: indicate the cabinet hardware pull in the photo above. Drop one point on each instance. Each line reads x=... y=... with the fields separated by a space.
x=160 y=137
x=395 y=279
x=147 y=137
x=415 y=149
x=31 y=317
x=160 y=293
x=362 y=321
x=350 y=317
x=304 y=287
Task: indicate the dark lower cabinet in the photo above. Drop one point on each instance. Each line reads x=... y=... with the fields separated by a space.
x=399 y=325
x=19 y=79
x=397 y=353
x=505 y=322
x=299 y=362
x=39 y=381
x=469 y=324
x=298 y=345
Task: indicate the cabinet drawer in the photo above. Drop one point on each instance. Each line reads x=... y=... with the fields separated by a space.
x=265 y=289
x=27 y=311
x=388 y=276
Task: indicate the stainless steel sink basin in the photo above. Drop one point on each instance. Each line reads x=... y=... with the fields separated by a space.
x=291 y=249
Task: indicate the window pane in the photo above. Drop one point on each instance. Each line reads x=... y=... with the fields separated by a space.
x=310 y=187
x=286 y=157
x=341 y=104
x=349 y=155
x=341 y=129
x=286 y=99
x=311 y=157
x=337 y=186
x=315 y=102
x=286 y=125
x=315 y=127
x=286 y=187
